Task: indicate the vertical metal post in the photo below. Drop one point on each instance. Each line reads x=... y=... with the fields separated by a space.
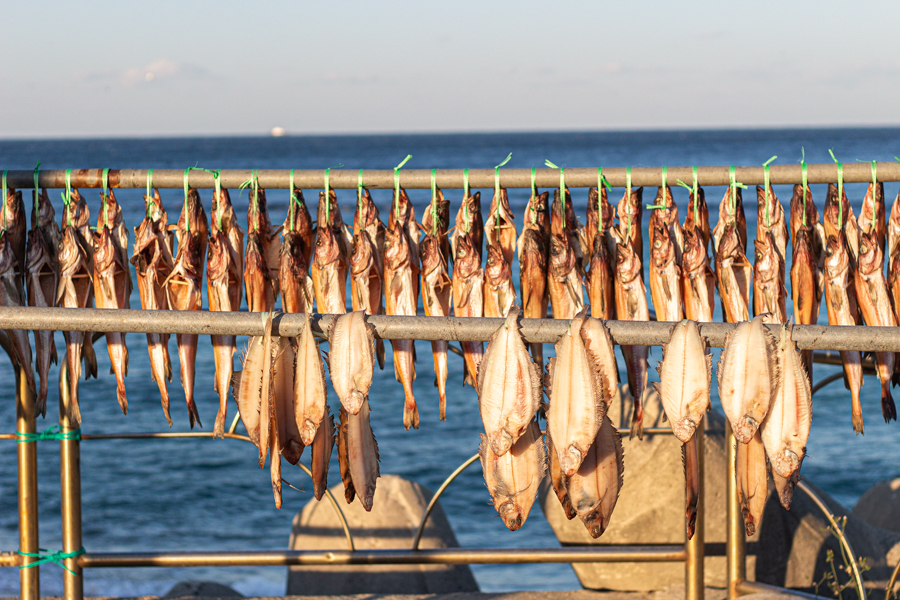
x=70 y=488
x=29 y=579
x=695 y=548
x=734 y=545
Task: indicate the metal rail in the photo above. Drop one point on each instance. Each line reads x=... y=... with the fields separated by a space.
x=435 y=556
x=454 y=178
x=807 y=337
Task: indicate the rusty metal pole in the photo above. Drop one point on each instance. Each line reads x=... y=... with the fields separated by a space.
x=29 y=579
x=70 y=492
x=695 y=548
x=735 y=549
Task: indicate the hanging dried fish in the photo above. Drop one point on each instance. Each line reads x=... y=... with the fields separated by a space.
x=12 y=295
x=367 y=263
x=698 y=281
x=501 y=227
x=838 y=218
x=690 y=457
x=558 y=480
x=437 y=287
x=748 y=373
x=600 y=220
x=807 y=282
x=564 y=223
x=769 y=293
x=770 y=219
x=469 y=222
x=258 y=223
x=401 y=298
x=435 y=221
x=731 y=213
x=599 y=276
x=299 y=221
x=752 y=481
x=42 y=279
x=630 y=212
x=600 y=348
x=875 y=306
x=665 y=272
x=786 y=428
x=16 y=225
x=290 y=440
x=297 y=294
x=893 y=228
x=320 y=454
x=697 y=206
x=666 y=215
x=224 y=286
x=685 y=374
x=351 y=360
x=509 y=386
x=468 y=298
x=534 y=250
x=513 y=479
x=840 y=299
x=184 y=287
x=734 y=275
x=499 y=291
x=575 y=386
x=310 y=391
x=248 y=383
x=153 y=263
x=594 y=488
x=359 y=467
x=631 y=305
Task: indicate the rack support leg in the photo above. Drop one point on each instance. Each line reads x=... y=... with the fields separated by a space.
x=29 y=579
x=70 y=491
x=735 y=542
x=695 y=548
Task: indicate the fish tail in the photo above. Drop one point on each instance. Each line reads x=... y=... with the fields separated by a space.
x=187 y=354
x=223 y=351
x=115 y=344
x=690 y=458
x=379 y=352
x=158 y=371
x=537 y=353
x=637 y=418
x=43 y=341
x=410 y=413
x=90 y=357
x=439 y=350
x=888 y=409
x=74 y=340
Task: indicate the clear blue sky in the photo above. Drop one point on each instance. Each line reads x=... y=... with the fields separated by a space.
x=97 y=68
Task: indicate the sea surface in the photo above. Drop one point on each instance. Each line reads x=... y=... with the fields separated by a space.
x=202 y=494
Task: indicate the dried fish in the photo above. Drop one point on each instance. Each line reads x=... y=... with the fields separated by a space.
x=685 y=374
x=665 y=272
x=468 y=298
x=631 y=305
x=563 y=281
x=534 y=250
x=731 y=213
x=469 y=222
x=513 y=479
x=838 y=218
x=565 y=224
x=769 y=293
x=12 y=295
x=16 y=225
x=599 y=347
x=875 y=306
x=320 y=454
x=42 y=279
x=748 y=374
x=871 y=215
x=594 y=487
x=697 y=206
x=351 y=360
x=310 y=391
x=509 y=386
x=437 y=288
x=153 y=263
x=344 y=456
x=248 y=383
x=893 y=228
x=575 y=386
x=367 y=264
x=361 y=455
x=558 y=480
x=401 y=271
x=840 y=299
x=499 y=291
x=734 y=275
x=600 y=220
x=784 y=488
x=297 y=294
x=599 y=275
x=501 y=227
x=630 y=212
x=111 y=282
x=290 y=440
x=257 y=278
x=770 y=219
x=665 y=214
x=690 y=457
x=258 y=223
x=786 y=428
x=184 y=287
x=752 y=481
x=807 y=282
x=698 y=281
x=435 y=221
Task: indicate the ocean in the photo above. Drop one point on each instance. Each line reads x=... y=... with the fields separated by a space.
x=205 y=494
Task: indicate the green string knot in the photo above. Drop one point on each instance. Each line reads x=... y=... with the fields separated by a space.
x=51 y=433
x=497 y=189
x=840 y=182
x=397 y=184
x=767 y=187
x=52 y=557
x=562 y=189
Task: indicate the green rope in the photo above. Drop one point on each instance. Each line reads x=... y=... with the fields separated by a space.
x=767 y=187
x=804 y=178
x=734 y=185
x=601 y=181
x=562 y=189
x=67 y=199
x=465 y=196
x=533 y=200
x=397 y=184
x=5 y=171
x=359 y=190
x=694 y=190
x=217 y=177
x=328 y=191
x=497 y=189
x=105 y=196
x=53 y=557
x=434 y=223
x=37 y=171
x=150 y=203
x=840 y=182
x=52 y=433
x=662 y=189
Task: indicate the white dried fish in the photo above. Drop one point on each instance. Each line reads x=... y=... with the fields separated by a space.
x=685 y=374
x=351 y=359
x=310 y=391
x=594 y=488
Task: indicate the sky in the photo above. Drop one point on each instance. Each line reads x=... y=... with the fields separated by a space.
x=112 y=69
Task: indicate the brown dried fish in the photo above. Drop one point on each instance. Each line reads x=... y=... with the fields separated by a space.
x=838 y=217
x=258 y=223
x=748 y=374
x=631 y=305
x=509 y=386
x=184 y=287
x=16 y=225
x=299 y=221
x=437 y=288
x=807 y=282
x=534 y=251
x=564 y=223
x=401 y=281
x=297 y=294
x=501 y=226
x=111 y=277
x=468 y=298
x=248 y=383
x=563 y=281
x=690 y=457
x=153 y=262
x=344 y=456
x=665 y=214
x=734 y=275
x=698 y=281
x=875 y=306
x=12 y=295
x=356 y=441
x=435 y=221
x=893 y=228
x=367 y=264
x=871 y=215
x=601 y=218
x=630 y=212
x=697 y=217
x=840 y=299
x=469 y=222
x=594 y=487
x=513 y=479
x=310 y=391
x=558 y=480
x=769 y=293
x=320 y=454
x=575 y=386
x=752 y=481
x=351 y=359
x=499 y=291
x=770 y=219
x=665 y=273
x=290 y=440
x=685 y=374
x=731 y=213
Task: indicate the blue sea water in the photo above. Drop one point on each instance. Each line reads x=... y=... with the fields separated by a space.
x=205 y=494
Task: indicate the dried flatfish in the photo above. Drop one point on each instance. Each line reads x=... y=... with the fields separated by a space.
x=558 y=480
x=594 y=488
x=513 y=479
x=685 y=374
x=690 y=456
x=247 y=384
x=351 y=359
x=320 y=454
x=356 y=441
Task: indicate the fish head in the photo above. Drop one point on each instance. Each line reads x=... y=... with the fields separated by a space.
x=105 y=251
x=512 y=515
x=218 y=258
x=328 y=212
x=153 y=207
x=630 y=206
x=401 y=210
x=662 y=250
x=802 y=245
x=396 y=246
x=497 y=269
x=45 y=214
x=430 y=253
x=361 y=255
x=836 y=205
x=327 y=248
x=595 y=522
x=628 y=265
x=836 y=259
x=258 y=212
x=13 y=208
x=366 y=212
x=871 y=258
x=562 y=258
x=193 y=210
x=467 y=260
x=693 y=252
x=223 y=210
x=730 y=244
x=110 y=210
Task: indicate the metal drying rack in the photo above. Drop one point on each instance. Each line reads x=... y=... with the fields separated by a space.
x=692 y=553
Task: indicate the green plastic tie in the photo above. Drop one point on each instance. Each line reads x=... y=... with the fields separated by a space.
x=52 y=557
x=628 y=202
x=359 y=190
x=562 y=189
x=497 y=189
x=67 y=199
x=5 y=171
x=767 y=187
x=105 y=195
x=465 y=196
x=397 y=184
x=663 y=190
x=150 y=202
x=37 y=171
x=434 y=223
x=840 y=182
x=218 y=191
x=804 y=178
x=533 y=200
x=51 y=433
x=601 y=181
x=694 y=190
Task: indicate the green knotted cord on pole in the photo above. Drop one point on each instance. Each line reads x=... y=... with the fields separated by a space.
x=601 y=181
x=694 y=190
x=397 y=184
x=804 y=178
x=628 y=199
x=217 y=177
x=105 y=196
x=767 y=187
x=52 y=557
x=465 y=197
x=662 y=188
x=359 y=191
x=67 y=199
x=840 y=182
x=434 y=222
x=562 y=189
x=291 y=207
x=37 y=173
x=51 y=433
x=734 y=185
x=187 y=213
x=497 y=190
x=327 y=196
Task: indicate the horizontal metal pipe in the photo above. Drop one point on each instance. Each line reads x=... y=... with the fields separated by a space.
x=441 y=556
x=453 y=178
x=10 y=559
x=754 y=587
x=647 y=333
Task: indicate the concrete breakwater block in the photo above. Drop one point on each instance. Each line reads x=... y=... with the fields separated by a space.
x=398 y=507
x=879 y=506
x=788 y=549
